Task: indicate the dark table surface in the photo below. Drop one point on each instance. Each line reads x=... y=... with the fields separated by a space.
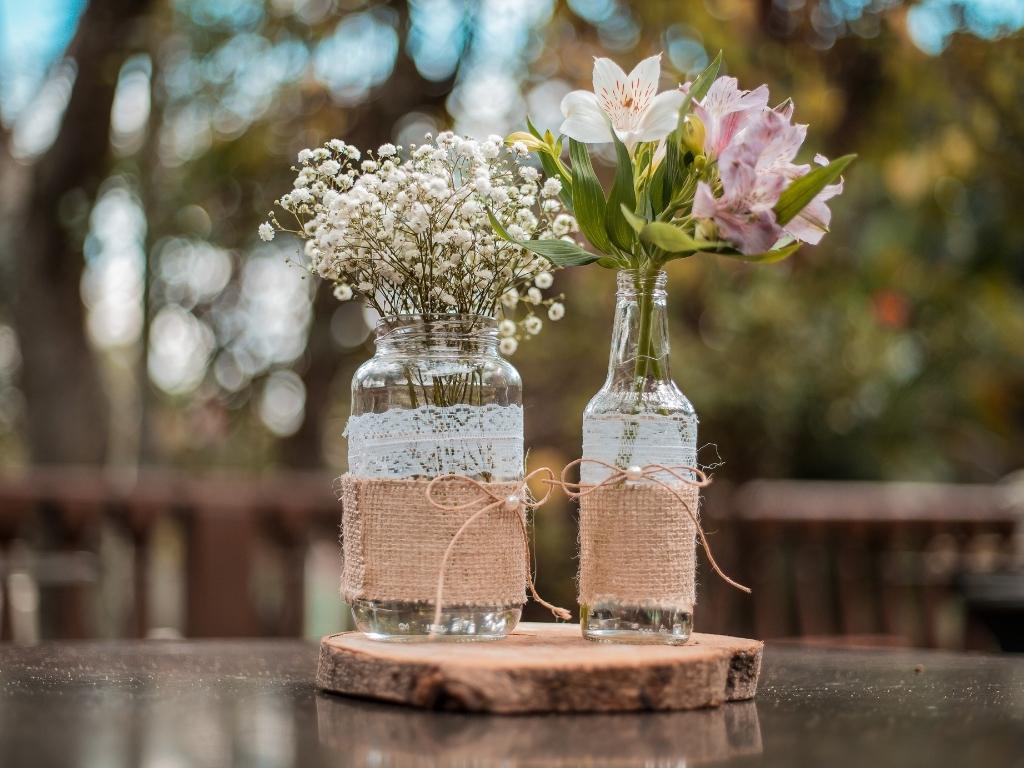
x=221 y=703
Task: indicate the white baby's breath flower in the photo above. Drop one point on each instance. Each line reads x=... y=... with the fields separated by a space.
x=266 y=232
x=529 y=173
x=563 y=224
x=552 y=187
x=412 y=233
x=508 y=345
x=329 y=167
x=556 y=311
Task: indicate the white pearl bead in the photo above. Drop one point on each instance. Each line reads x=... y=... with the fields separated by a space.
x=512 y=503
x=635 y=473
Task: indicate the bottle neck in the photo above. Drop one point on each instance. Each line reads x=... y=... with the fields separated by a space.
x=640 y=348
x=424 y=335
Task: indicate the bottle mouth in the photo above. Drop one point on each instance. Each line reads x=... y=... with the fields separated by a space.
x=630 y=282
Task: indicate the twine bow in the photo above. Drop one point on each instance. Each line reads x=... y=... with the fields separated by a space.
x=648 y=472
x=514 y=504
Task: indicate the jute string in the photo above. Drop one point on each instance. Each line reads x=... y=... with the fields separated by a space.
x=514 y=504
x=689 y=481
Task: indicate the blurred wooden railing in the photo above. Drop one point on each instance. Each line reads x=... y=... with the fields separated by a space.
x=825 y=559
x=225 y=520
x=877 y=563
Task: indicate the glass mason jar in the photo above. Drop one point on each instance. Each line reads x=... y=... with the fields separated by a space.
x=436 y=398
x=638 y=417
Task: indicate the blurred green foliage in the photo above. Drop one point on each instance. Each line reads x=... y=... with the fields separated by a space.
x=893 y=350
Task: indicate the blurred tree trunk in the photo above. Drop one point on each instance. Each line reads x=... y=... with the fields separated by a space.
x=67 y=418
x=406 y=91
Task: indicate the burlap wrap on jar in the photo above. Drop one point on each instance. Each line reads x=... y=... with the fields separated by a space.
x=394 y=538
x=638 y=545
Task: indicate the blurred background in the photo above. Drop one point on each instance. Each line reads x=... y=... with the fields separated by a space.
x=173 y=392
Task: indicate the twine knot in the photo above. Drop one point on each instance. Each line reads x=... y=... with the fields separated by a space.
x=514 y=503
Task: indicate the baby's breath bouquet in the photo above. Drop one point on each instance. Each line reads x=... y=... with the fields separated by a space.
x=409 y=232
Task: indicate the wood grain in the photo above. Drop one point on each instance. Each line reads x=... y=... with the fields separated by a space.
x=542 y=668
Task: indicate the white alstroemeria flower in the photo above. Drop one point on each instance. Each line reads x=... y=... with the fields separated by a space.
x=629 y=104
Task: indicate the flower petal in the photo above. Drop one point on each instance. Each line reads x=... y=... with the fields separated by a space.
x=704 y=203
x=811 y=224
x=661 y=117
x=609 y=79
x=721 y=96
x=750 y=231
x=584 y=119
x=642 y=82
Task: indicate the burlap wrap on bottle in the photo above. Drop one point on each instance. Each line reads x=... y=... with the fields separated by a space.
x=394 y=538
x=638 y=546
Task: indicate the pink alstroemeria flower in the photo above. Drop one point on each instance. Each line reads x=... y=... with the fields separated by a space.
x=725 y=110
x=754 y=168
x=629 y=105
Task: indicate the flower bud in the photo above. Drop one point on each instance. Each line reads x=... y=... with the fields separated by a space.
x=522 y=137
x=693 y=134
x=706 y=230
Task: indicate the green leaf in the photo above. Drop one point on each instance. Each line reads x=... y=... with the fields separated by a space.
x=657 y=188
x=621 y=196
x=672 y=168
x=635 y=222
x=588 y=202
x=768 y=257
x=671 y=238
x=701 y=84
x=532 y=128
x=797 y=195
x=559 y=252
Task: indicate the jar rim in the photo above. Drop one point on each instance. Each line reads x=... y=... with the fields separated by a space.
x=413 y=318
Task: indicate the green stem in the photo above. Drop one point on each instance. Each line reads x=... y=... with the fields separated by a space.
x=645 y=297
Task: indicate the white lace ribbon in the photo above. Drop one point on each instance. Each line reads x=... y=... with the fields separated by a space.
x=429 y=441
x=637 y=440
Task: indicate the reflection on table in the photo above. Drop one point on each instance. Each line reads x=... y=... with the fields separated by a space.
x=382 y=734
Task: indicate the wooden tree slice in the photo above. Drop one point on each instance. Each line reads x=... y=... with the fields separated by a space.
x=542 y=668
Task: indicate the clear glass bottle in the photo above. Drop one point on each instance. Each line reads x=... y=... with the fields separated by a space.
x=638 y=417
x=437 y=375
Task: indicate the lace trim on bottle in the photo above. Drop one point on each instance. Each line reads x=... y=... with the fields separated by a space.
x=637 y=440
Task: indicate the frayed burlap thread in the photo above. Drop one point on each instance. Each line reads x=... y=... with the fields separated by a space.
x=638 y=546
x=395 y=534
